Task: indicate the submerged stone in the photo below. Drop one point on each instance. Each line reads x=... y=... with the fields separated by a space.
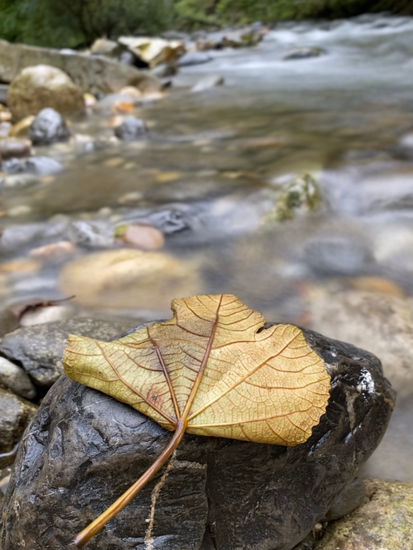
x=83 y=449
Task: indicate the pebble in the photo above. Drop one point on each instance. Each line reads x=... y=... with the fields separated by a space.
x=16 y=379
x=48 y=127
x=53 y=250
x=141 y=236
x=130 y=129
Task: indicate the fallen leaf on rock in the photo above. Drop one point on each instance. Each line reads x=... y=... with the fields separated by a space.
x=211 y=370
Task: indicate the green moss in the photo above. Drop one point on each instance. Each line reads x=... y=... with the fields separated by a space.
x=300 y=195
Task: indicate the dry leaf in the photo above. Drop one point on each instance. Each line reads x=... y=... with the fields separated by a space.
x=210 y=370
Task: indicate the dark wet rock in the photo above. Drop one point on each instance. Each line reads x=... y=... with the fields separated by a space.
x=404 y=148
x=48 y=127
x=337 y=255
x=383 y=521
x=194 y=58
x=11 y=147
x=15 y=414
x=16 y=379
x=131 y=129
x=39 y=348
x=304 y=53
x=83 y=449
x=43 y=166
x=94 y=74
x=208 y=82
x=3 y=93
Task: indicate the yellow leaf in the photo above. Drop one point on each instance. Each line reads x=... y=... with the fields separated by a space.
x=210 y=370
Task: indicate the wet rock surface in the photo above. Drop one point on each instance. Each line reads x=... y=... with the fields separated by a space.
x=83 y=449
x=130 y=129
x=16 y=379
x=383 y=521
x=15 y=414
x=90 y=73
x=39 y=348
x=48 y=127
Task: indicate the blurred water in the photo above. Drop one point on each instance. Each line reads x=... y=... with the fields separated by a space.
x=222 y=154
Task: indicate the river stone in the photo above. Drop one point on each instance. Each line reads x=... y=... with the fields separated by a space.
x=130 y=129
x=94 y=74
x=15 y=379
x=44 y=86
x=388 y=332
x=39 y=348
x=48 y=127
x=120 y=279
x=383 y=522
x=15 y=414
x=83 y=449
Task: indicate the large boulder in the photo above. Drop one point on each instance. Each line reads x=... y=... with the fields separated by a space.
x=94 y=74
x=83 y=449
x=41 y=86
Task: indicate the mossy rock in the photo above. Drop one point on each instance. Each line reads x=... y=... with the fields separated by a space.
x=383 y=522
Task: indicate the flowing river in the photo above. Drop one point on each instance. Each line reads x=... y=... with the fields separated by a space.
x=209 y=174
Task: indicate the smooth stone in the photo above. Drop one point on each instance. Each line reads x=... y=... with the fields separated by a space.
x=20 y=180
x=43 y=166
x=121 y=279
x=83 y=449
x=91 y=73
x=43 y=86
x=130 y=129
x=304 y=53
x=383 y=521
x=103 y=46
x=48 y=127
x=15 y=414
x=141 y=236
x=10 y=147
x=16 y=379
x=208 y=82
x=39 y=348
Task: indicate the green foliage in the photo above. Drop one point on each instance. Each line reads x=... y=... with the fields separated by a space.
x=71 y=23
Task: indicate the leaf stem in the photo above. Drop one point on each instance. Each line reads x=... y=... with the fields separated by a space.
x=97 y=524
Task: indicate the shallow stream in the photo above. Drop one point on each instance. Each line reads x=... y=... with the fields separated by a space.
x=210 y=172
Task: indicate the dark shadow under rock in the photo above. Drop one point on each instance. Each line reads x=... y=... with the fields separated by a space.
x=83 y=449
